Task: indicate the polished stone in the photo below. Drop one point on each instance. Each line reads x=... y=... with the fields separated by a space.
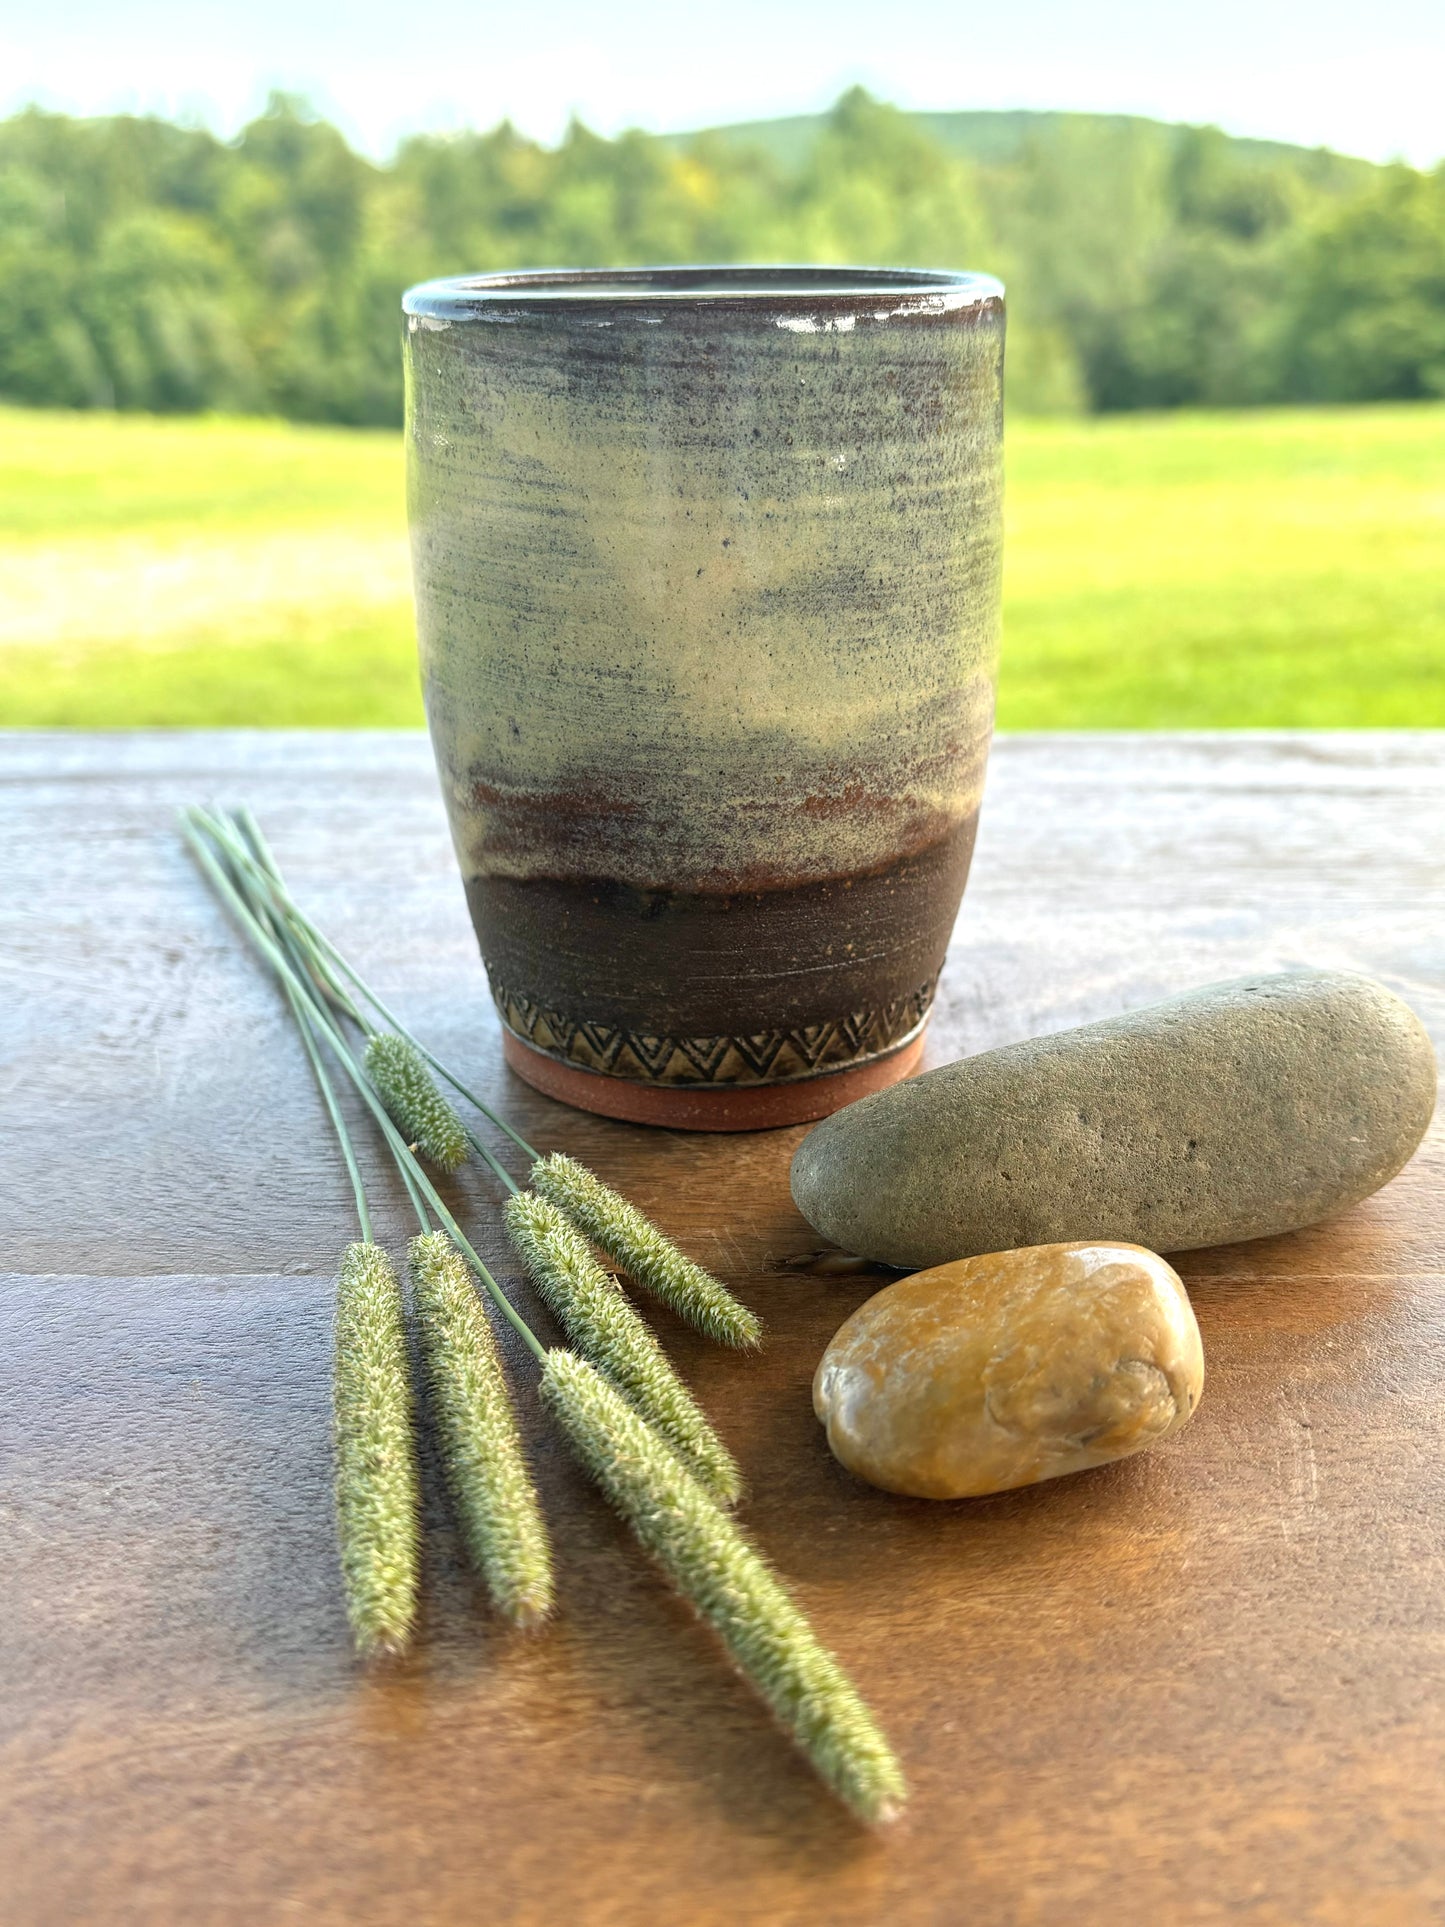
x=1002 y=1370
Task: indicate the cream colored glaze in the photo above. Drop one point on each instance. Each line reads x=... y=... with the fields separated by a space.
x=998 y=1371
x=651 y=618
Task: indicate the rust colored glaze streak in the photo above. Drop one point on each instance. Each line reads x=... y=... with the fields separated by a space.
x=707 y=572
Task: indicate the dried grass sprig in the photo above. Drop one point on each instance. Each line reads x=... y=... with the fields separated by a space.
x=635 y=1243
x=377 y=1482
x=413 y=1102
x=730 y=1585
x=676 y=1519
x=605 y=1329
x=496 y=1503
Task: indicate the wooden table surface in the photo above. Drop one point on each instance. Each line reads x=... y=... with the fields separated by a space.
x=1205 y=1684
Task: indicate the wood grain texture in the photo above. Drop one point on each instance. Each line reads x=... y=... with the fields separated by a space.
x=1204 y=1684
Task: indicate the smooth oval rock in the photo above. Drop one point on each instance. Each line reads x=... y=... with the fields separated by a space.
x=1002 y=1370
x=1234 y=1111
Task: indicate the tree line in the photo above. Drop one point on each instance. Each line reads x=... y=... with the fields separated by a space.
x=145 y=265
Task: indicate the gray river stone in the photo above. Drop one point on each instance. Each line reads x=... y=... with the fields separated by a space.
x=1233 y=1111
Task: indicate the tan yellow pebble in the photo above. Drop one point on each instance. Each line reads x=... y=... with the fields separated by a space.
x=1012 y=1367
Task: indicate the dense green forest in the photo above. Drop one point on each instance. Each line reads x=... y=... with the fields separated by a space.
x=151 y=266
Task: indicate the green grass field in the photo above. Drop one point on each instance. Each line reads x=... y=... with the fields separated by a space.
x=1179 y=571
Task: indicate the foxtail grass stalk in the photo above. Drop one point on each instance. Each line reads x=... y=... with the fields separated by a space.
x=729 y=1584
x=605 y=1329
x=635 y=1243
x=492 y=1492
x=377 y=1484
x=404 y=1085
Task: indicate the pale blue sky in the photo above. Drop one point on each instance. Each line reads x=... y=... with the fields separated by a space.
x=1367 y=79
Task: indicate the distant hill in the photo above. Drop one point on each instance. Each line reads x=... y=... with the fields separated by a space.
x=998 y=137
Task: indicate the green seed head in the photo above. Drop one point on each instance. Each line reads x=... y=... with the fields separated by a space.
x=496 y=1504
x=604 y=1328
x=404 y=1084
x=635 y=1243
x=377 y=1486
x=701 y=1550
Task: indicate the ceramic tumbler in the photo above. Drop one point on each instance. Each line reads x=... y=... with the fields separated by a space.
x=707 y=587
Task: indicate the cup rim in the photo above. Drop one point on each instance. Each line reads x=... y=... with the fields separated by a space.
x=764 y=290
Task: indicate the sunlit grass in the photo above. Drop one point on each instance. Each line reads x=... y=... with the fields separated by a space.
x=1272 y=568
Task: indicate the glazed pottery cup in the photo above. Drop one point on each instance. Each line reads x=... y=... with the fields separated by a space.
x=707 y=583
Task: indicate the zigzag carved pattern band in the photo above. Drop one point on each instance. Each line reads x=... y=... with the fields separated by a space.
x=771 y=1057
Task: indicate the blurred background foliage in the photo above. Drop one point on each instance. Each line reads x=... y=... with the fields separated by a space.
x=148 y=266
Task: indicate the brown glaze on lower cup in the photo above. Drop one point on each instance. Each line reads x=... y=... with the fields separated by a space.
x=757 y=1107
x=698 y=964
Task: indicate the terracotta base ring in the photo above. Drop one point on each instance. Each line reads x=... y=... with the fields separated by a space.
x=682 y=1107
